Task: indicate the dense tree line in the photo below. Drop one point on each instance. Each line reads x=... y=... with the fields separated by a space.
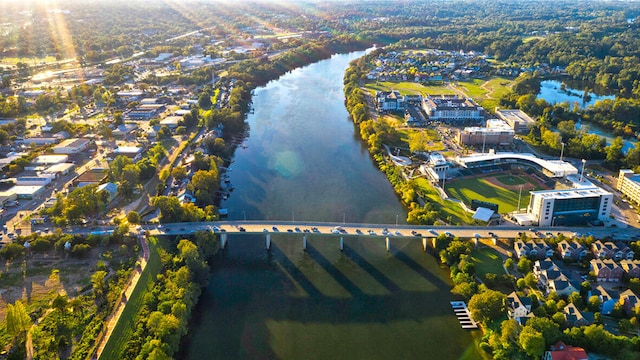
x=167 y=308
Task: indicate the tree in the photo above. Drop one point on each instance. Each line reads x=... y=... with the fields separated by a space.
x=60 y=303
x=12 y=251
x=524 y=266
x=204 y=101
x=488 y=306
x=594 y=303
x=615 y=156
x=18 y=321
x=532 y=342
x=133 y=217
x=509 y=264
x=179 y=173
x=418 y=141
x=99 y=285
x=549 y=329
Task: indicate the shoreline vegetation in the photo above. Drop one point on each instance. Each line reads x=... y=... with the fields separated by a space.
x=163 y=319
x=424 y=203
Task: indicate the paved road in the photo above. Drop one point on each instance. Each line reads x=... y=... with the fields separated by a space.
x=377 y=230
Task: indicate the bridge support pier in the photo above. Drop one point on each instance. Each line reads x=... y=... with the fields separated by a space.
x=424 y=244
x=386 y=241
x=304 y=242
x=341 y=243
x=223 y=241
x=268 y=240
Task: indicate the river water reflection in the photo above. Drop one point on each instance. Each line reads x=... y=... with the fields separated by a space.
x=303 y=161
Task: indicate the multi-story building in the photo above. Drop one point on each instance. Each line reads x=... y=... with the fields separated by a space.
x=629 y=185
x=606 y=270
x=497 y=133
x=571 y=250
x=451 y=108
x=389 y=101
x=570 y=206
x=517 y=119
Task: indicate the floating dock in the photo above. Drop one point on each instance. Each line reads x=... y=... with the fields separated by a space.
x=463 y=314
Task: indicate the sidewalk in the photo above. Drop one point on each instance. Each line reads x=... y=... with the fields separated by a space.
x=126 y=294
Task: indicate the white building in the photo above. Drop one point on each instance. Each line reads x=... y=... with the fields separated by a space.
x=50 y=159
x=629 y=185
x=517 y=119
x=71 y=146
x=571 y=206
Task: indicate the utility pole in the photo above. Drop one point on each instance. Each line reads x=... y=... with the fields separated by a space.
x=582 y=172
x=562 y=152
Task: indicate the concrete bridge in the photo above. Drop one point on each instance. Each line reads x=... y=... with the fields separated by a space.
x=304 y=229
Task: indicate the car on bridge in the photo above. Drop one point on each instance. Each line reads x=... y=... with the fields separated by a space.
x=415 y=233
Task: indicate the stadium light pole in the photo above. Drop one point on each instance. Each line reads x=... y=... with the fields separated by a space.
x=519 y=197
x=562 y=152
x=582 y=172
x=484 y=140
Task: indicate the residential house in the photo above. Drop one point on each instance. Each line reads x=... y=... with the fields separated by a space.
x=562 y=287
x=540 y=250
x=572 y=250
x=519 y=308
x=521 y=249
x=606 y=270
x=629 y=301
x=110 y=188
x=389 y=100
x=609 y=250
x=575 y=317
x=608 y=298
x=560 y=351
x=631 y=268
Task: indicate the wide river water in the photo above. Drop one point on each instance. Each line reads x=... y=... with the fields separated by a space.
x=303 y=160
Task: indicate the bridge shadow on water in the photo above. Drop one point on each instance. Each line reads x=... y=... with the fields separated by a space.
x=254 y=295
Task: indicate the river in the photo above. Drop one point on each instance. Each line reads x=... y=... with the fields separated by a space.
x=303 y=160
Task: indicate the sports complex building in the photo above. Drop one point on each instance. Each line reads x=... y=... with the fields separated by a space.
x=578 y=202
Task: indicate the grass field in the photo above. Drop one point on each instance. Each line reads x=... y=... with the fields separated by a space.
x=448 y=208
x=487 y=261
x=407 y=88
x=123 y=330
x=480 y=189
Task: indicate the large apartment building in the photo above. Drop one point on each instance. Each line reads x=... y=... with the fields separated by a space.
x=451 y=108
x=629 y=185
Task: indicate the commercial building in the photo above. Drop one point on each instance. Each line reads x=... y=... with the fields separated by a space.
x=27 y=192
x=50 y=159
x=517 y=119
x=629 y=185
x=451 y=108
x=497 y=133
x=33 y=181
x=71 y=146
x=570 y=206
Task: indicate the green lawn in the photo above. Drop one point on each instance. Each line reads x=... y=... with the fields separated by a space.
x=512 y=180
x=487 y=261
x=479 y=189
x=448 y=208
x=123 y=330
x=408 y=88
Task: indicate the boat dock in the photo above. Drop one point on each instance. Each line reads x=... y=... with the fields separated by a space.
x=463 y=314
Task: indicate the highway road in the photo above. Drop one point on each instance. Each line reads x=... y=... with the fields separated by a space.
x=378 y=230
